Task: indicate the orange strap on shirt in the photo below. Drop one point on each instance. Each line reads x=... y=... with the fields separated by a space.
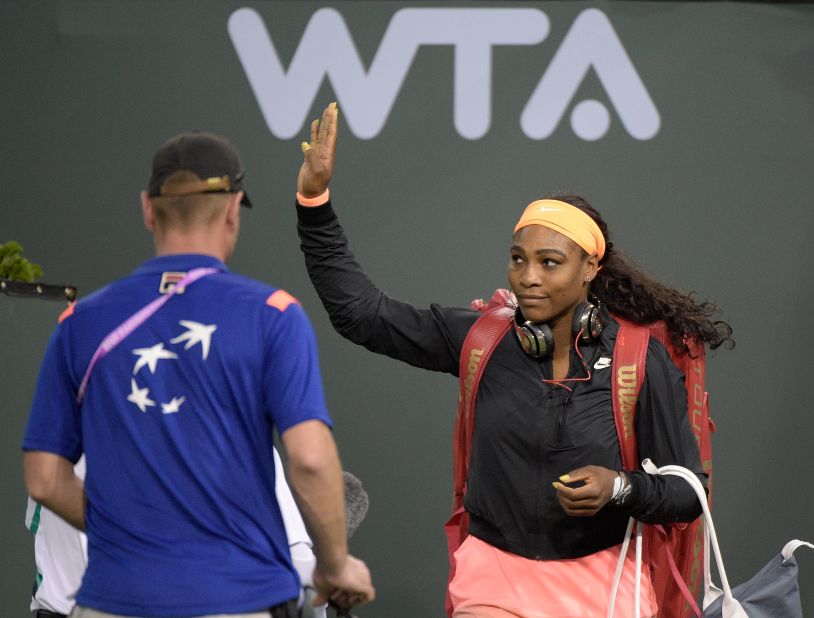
x=67 y=313
x=281 y=300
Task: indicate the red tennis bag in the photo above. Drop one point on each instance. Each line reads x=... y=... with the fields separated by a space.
x=676 y=551
x=480 y=342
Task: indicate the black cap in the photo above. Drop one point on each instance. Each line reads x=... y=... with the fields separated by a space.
x=210 y=157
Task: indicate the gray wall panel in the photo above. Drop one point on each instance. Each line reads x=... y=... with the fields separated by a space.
x=717 y=201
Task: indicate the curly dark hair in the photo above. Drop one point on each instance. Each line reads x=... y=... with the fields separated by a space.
x=629 y=293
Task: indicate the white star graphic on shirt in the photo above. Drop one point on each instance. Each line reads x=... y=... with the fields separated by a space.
x=139 y=396
x=196 y=333
x=173 y=406
x=151 y=356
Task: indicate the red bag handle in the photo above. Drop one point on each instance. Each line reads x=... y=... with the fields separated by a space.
x=478 y=346
x=629 y=354
x=629 y=361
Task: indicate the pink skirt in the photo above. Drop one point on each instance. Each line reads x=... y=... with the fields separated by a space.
x=490 y=583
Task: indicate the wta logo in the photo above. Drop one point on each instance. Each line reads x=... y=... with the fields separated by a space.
x=366 y=96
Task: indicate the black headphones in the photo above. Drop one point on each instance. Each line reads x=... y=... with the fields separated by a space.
x=537 y=340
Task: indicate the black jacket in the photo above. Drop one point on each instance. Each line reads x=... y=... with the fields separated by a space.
x=527 y=433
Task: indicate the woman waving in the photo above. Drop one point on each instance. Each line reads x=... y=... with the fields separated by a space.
x=546 y=496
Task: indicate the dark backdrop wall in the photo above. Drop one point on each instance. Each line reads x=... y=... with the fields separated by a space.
x=689 y=125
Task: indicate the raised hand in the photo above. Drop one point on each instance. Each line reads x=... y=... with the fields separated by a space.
x=319 y=154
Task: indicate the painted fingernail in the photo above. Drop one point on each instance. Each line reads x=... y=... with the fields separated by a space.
x=565 y=478
x=556 y=485
x=305 y=146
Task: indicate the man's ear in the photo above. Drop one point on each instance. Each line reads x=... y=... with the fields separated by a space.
x=147 y=211
x=233 y=209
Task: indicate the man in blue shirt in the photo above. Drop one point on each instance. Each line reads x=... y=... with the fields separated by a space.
x=177 y=420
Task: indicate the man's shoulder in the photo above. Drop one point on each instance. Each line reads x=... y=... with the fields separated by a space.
x=243 y=283
x=125 y=296
x=99 y=300
x=258 y=292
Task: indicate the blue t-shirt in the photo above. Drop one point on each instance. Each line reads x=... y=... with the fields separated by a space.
x=177 y=426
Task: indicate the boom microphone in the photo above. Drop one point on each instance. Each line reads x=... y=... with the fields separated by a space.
x=356 y=502
x=356 y=505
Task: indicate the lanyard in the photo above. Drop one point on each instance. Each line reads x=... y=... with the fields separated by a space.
x=117 y=335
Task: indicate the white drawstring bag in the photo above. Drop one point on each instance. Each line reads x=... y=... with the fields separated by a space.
x=772 y=593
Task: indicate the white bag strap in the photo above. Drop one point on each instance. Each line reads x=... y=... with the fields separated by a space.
x=620 y=566
x=790 y=548
x=637 y=590
x=730 y=607
x=711 y=591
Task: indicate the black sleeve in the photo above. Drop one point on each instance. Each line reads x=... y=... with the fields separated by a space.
x=428 y=338
x=664 y=435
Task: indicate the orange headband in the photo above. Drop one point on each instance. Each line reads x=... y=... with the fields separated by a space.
x=568 y=220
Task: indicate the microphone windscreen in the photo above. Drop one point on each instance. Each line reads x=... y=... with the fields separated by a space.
x=356 y=502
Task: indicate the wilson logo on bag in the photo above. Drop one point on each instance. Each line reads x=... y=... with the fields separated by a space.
x=682 y=544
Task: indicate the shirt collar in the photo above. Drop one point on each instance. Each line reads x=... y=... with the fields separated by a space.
x=181 y=262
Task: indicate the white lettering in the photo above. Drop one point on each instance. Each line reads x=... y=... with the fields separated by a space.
x=591 y=42
x=366 y=97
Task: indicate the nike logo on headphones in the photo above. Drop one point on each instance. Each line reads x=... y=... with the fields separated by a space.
x=603 y=363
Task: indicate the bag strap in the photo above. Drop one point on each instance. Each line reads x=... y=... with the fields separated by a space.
x=629 y=354
x=480 y=342
x=679 y=580
x=629 y=362
x=118 y=334
x=638 y=530
x=731 y=608
x=789 y=548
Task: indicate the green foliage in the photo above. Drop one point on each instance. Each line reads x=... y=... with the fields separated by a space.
x=14 y=266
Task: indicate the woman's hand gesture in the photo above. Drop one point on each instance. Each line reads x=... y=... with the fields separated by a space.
x=582 y=492
x=319 y=154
